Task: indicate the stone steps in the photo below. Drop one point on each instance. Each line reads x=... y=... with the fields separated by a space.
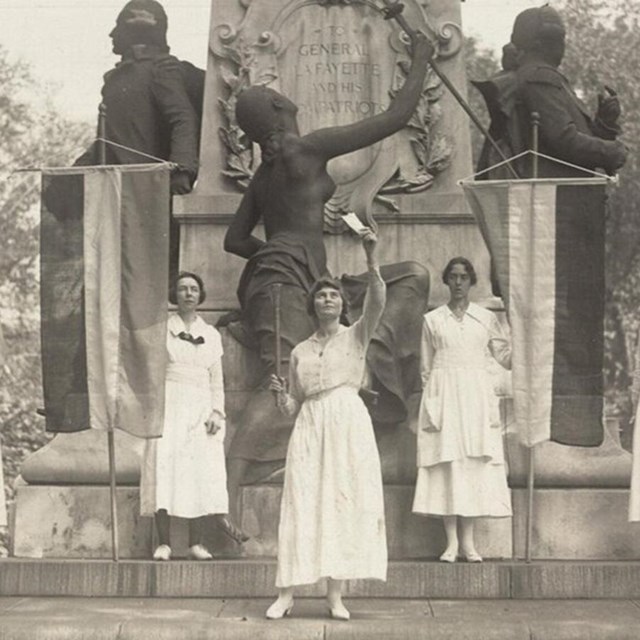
x=379 y=619
x=255 y=578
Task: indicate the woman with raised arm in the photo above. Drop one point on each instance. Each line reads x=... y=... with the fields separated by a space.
x=288 y=193
x=332 y=511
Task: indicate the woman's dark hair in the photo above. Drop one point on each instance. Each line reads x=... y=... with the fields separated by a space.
x=471 y=272
x=173 y=287
x=332 y=284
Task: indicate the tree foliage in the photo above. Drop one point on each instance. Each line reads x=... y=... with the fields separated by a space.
x=31 y=137
x=480 y=64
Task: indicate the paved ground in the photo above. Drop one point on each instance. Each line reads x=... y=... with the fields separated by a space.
x=373 y=619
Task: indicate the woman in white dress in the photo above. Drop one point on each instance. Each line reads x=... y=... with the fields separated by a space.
x=461 y=472
x=332 y=511
x=183 y=472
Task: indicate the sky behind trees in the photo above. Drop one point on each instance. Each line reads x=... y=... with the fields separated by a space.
x=67 y=45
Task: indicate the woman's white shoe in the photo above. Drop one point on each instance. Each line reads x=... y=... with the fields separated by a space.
x=472 y=556
x=199 y=552
x=163 y=552
x=450 y=555
x=338 y=611
x=279 y=609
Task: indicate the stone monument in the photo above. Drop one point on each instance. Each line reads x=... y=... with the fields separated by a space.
x=338 y=60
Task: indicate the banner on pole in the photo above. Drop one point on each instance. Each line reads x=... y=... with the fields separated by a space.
x=104 y=270
x=546 y=240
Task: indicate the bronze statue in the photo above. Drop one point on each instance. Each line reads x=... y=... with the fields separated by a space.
x=567 y=130
x=288 y=192
x=499 y=93
x=153 y=103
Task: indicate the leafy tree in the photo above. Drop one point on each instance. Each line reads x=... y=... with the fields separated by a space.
x=31 y=137
x=480 y=63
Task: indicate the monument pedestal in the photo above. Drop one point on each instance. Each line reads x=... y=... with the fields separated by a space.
x=74 y=522
x=409 y=185
x=580 y=501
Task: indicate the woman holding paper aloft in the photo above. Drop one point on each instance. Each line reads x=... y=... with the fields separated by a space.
x=461 y=473
x=332 y=511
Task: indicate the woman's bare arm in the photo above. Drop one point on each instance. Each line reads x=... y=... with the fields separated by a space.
x=376 y=295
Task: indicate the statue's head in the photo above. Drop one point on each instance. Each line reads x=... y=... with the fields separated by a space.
x=540 y=30
x=140 y=22
x=509 y=60
x=261 y=111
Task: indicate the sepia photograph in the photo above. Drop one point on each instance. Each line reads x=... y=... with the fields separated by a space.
x=319 y=319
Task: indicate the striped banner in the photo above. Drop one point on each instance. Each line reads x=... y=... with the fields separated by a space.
x=546 y=239
x=104 y=271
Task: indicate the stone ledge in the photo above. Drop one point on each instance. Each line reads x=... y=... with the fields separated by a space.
x=256 y=578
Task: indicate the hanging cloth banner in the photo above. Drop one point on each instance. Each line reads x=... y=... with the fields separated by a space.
x=546 y=240
x=103 y=277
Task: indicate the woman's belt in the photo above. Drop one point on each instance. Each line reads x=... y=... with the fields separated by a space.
x=188 y=374
x=459 y=359
x=318 y=395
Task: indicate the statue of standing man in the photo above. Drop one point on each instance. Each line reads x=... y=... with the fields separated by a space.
x=153 y=103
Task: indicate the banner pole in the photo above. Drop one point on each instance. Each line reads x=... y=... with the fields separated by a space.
x=531 y=473
x=112 y=491
x=530 y=485
x=102 y=160
x=102 y=132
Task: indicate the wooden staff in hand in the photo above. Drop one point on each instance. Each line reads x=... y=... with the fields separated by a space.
x=275 y=295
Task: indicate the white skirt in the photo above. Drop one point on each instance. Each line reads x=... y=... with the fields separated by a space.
x=470 y=487
x=332 y=512
x=184 y=471
x=3 y=505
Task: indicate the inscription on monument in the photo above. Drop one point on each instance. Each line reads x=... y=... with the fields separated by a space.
x=341 y=71
x=339 y=62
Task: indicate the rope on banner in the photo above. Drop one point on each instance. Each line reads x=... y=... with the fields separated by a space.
x=596 y=174
x=171 y=165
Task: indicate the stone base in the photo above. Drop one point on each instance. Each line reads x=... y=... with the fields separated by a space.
x=558 y=465
x=572 y=524
x=82 y=458
x=74 y=522
x=576 y=524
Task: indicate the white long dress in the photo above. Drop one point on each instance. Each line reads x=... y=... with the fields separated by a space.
x=184 y=471
x=460 y=450
x=332 y=511
x=634 y=494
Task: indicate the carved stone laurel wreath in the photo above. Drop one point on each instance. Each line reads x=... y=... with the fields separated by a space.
x=432 y=150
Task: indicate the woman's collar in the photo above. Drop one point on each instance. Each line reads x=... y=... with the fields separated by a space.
x=176 y=325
